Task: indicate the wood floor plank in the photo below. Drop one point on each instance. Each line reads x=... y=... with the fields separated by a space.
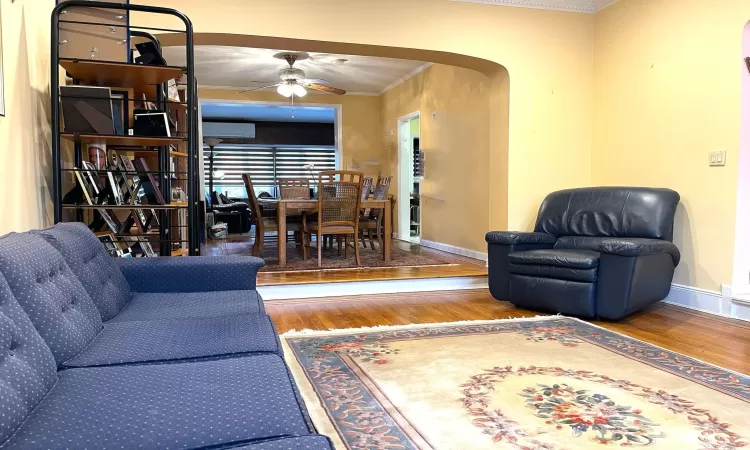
x=717 y=340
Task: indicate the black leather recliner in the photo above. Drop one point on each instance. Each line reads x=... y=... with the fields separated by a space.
x=601 y=252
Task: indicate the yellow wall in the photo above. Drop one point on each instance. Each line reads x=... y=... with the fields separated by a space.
x=667 y=90
x=25 y=161
x=549 y=55
x=361 y=140
x=454 y=108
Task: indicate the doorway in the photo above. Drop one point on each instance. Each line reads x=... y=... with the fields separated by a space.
x=409 y=214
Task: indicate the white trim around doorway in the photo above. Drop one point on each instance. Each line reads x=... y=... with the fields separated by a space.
x=403 y=188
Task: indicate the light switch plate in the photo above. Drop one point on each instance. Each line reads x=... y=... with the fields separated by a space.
x=717 y=158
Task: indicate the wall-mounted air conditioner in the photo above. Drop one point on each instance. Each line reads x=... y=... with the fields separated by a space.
x=229 y=130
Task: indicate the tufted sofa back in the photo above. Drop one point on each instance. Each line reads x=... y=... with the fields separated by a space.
x=93 y=266
x=27 y=368
x=45 y=287
x=609 y=212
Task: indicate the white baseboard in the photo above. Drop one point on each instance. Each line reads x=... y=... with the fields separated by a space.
x=712 y=302
x=455 y=250
x=315 y=290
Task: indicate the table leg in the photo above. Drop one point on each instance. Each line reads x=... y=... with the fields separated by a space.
x=388 y=233
x=281 y=239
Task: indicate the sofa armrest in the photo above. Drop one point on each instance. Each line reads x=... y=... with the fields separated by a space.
x=518 y=237
x=638 y=247
x=190 y=273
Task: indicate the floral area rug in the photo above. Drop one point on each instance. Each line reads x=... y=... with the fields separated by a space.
x=526 y=384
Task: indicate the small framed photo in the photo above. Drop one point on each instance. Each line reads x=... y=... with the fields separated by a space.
x=110 y=243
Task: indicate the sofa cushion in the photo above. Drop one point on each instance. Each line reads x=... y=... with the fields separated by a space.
x=312 y=442
x=183 y=305
x=45 y=287
x=91 y=263
x=27 y=368
x=169 y=406
x=165 y=340
x=578 y=259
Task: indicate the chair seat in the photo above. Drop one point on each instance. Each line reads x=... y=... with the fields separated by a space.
x=168 y=406
x=171 y=340
x=184 y=305
x=334 y=229
x=578 y=259
x=571 y=265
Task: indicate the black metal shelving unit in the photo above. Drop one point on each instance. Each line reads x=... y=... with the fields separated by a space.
x=150 y=81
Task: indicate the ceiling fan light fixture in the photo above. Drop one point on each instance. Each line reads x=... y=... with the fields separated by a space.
x=285 y=89
x=299 y=90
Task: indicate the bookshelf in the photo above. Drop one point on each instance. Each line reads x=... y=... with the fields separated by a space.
x=141 y=186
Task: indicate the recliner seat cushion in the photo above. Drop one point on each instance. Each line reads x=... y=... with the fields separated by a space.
x=27 y=367
x=187 y=305
x=171 y=340
x=190 y=405
x=578 y=259
x=91 y=263
x=49 y=292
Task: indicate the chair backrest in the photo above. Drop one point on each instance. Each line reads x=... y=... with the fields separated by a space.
x=366 y=187
x=27 y=368
x=294 y=188
x=609 y=212
x=381 y=193
x=91 y=264
x=339 y=198
x=253 y=199
x=50 y=293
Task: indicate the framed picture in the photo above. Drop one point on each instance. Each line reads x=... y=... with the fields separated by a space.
x=110 y=243
x=2 y=76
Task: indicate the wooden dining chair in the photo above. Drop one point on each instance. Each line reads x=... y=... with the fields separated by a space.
x=339 y=200
x=262 y=224
x=294 y=188
x=373 y=220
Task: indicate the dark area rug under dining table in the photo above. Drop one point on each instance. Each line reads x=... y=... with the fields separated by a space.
x=242 y=245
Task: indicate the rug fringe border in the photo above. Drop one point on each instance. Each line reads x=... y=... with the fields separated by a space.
x=409 y=326
x=336 y=331
x=336 y=269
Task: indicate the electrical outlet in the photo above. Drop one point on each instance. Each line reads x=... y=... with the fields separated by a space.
x=717 y=158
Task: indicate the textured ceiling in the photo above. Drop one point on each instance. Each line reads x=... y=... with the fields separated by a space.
x=587 y=6
x=240 y=66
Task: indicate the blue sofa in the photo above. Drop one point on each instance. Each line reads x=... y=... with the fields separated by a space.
x=99 y=352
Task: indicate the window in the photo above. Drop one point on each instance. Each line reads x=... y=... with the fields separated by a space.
x=266 y=165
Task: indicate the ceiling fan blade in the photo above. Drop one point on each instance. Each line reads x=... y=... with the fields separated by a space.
x=324 y=88
x=261 y=87
x=309 y=81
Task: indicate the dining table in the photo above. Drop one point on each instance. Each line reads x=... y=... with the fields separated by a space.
x=285 y=207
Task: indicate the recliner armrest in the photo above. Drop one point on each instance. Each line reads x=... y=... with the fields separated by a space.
x=190 y=273
x=638 y=247
x=518 y=237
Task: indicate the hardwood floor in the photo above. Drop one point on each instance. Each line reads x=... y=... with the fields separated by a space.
x=462 y=267
x=713 y=339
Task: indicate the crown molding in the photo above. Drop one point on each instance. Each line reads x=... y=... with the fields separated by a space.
x=581 y=6
x=411 y=74
x=313 y=92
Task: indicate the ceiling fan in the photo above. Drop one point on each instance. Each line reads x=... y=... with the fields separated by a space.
x=293 y=81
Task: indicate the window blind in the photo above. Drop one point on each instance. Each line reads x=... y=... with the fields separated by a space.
x=266 y=165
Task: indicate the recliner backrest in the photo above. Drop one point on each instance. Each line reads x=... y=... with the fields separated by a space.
x=90 y=262
x=53 y=298
x=609 y=212
x=27 y=368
